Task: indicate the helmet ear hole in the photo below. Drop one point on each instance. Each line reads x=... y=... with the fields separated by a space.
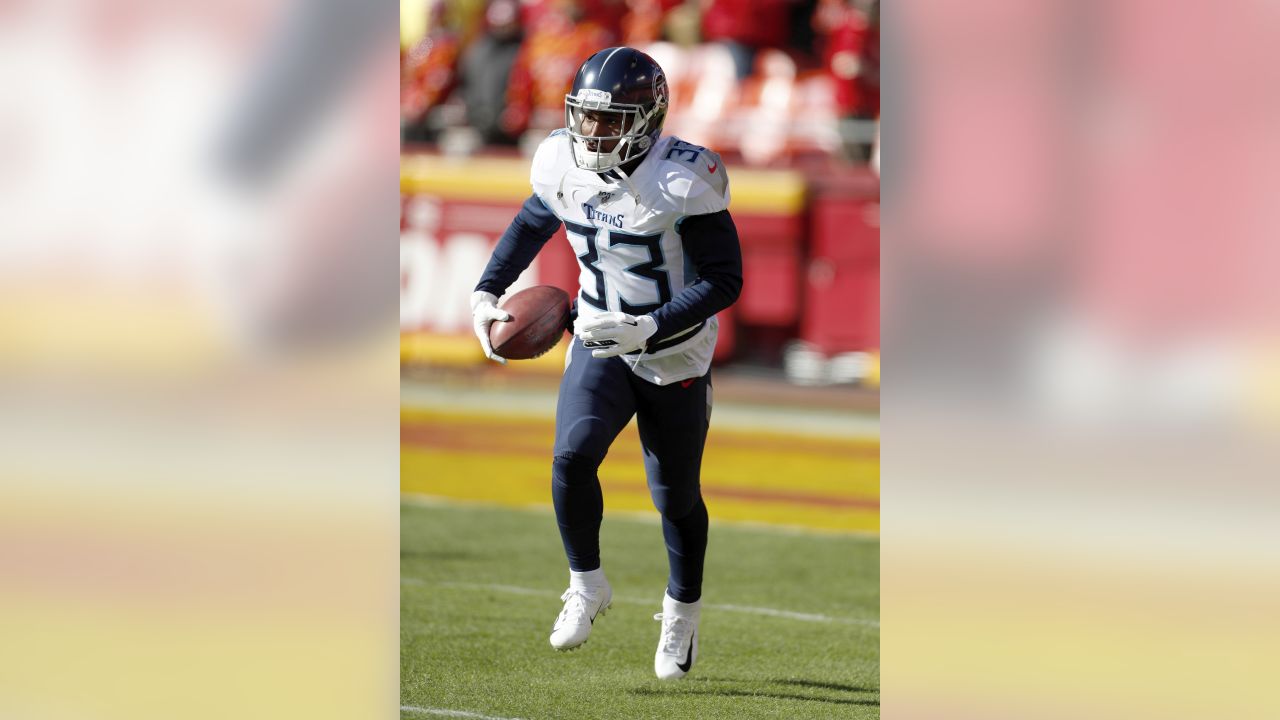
x=643 y=143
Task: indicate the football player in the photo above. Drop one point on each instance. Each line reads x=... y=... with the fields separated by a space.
x=648 y=218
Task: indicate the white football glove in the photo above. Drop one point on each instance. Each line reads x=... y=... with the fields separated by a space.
x=614 y=333
x=484 y=311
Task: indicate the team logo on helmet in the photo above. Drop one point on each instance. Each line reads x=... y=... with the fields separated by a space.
x=660 y=95
x=593 y=99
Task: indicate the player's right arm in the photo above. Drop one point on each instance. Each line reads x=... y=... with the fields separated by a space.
x=532 y=227
x=516 y=249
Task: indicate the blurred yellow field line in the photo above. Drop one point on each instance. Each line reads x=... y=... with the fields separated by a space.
x=758 y=477
x=507 y=180
x=519 y=422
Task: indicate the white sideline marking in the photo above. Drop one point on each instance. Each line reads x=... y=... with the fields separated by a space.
x=807 y=617
x=747 y=609
x=503 y=588
x=450 y=713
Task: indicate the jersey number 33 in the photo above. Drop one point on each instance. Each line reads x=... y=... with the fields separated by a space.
x=629 y=267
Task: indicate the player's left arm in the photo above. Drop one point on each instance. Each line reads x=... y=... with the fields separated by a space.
x=711 y=243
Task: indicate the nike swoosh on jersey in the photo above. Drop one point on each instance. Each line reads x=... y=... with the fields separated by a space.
x=713 y=167
x=688 y=656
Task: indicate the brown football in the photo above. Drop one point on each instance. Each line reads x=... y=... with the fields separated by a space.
x=538 y=318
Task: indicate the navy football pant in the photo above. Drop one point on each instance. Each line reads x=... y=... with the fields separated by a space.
x=598 y=397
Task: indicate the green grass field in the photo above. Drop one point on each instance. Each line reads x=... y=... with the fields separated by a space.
x=790 y=625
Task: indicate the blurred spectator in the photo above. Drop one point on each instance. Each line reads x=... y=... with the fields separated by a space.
x=802 y=44
x=852 y=59
x=486 y=69
x=465 y=17
x=509 y=79
x=561 y=37
x=745 y=27
x=642 y=25
x=682 y=23
x=608 y=14
x=849 y=56
x=428 y=76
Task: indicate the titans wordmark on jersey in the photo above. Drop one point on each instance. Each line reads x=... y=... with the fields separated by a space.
x=626 y=236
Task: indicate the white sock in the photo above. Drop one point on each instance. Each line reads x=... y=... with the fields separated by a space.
x=587 y=580
x=680 y=609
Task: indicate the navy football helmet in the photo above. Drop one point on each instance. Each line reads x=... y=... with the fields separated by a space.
x=623 y=93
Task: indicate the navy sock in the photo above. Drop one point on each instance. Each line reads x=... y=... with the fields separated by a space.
x=686 y=550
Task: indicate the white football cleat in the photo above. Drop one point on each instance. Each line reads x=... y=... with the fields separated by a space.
x=678 y=645
x=581 y=606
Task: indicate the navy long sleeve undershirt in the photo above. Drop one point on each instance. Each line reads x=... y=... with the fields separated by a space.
x=711 y=243
x=518 y=246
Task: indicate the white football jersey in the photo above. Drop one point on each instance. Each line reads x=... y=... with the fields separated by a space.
x=627 y=239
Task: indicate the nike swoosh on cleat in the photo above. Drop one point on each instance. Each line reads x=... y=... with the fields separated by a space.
x=688 y=656
x=686 y=383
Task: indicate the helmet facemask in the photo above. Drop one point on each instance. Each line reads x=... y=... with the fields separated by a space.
x=637 y=127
